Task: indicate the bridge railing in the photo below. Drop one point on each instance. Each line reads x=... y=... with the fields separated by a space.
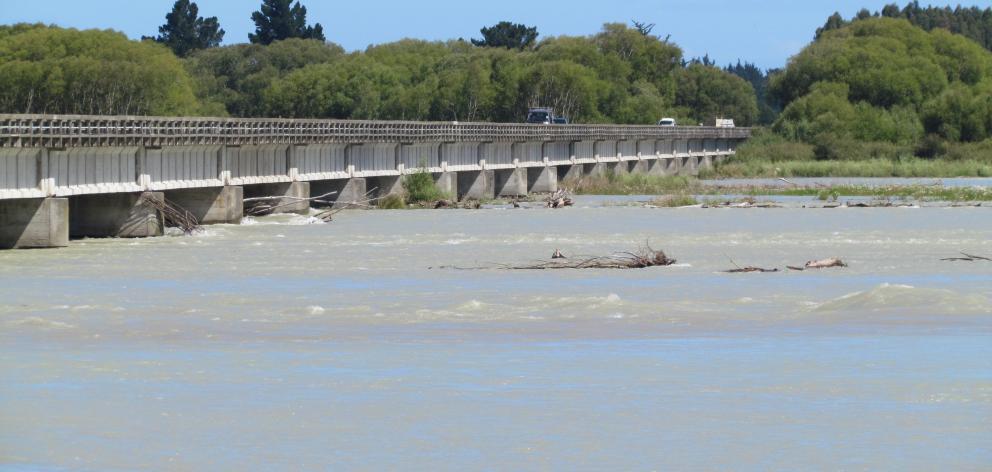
x=86 y=131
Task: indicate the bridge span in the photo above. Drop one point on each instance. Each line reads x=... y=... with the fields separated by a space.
x=65 y=176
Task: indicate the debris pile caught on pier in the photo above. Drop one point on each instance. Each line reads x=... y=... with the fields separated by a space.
x=173 y=214
x=261 y=206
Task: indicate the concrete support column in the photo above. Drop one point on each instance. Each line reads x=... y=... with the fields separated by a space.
x=298 y=191
x=570 y=173
x=656 y=166
x=689 y=166
x=447 y=183
x=705 y=162
x=115 y=215
x=511 y=182
x=597 y=169
x=34 y=223
x=618 y=168
x=477 y=185
x=542 y=179
x=348 y=191
x=211 y=205
x=385 y=185
x=642 y=166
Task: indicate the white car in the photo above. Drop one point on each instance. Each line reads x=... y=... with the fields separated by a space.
x=666 y=122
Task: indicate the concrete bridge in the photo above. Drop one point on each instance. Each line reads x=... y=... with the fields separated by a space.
x=85 y=176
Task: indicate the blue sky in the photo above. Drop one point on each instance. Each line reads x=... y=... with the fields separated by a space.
x=766 y=32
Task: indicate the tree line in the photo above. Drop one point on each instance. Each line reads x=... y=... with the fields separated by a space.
x=881 y=87
x=621 y=74
x=971 y=22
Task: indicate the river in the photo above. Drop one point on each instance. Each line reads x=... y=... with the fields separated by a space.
x=286 y=345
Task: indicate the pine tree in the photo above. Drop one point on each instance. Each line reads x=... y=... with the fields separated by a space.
x=507 y=35
x=278 y=20
x=185 y=31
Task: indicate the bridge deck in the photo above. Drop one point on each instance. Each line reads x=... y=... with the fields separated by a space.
x=78 y=130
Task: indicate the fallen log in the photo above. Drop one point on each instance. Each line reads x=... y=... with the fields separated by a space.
x=261 y=206
x=328 y=214
x=643 y=258
x=820 y=264
x=749 y=269
x=967 y=258
x=740 y=269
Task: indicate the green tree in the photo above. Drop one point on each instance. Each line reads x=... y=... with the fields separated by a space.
x=66 y=71
x=507 y=35
x=709 y=92
x=185 y=31
x=281 y=19
x=234 y=78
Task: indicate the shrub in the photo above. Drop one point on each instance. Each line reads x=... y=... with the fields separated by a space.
x=392 y=201
x=420 y=187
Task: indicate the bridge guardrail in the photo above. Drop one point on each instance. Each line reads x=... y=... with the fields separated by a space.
x=85 y=131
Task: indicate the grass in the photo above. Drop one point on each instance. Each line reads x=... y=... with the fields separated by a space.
x=911 y=167
x=632 y=184
x=915 y=192
x=675 y=200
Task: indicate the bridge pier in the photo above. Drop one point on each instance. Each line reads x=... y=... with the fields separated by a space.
x=668 y=166
x=596 y=170
x=384 y=185
x=570 y=173
x=542 y=179
x=296 y=192
x=211 y=205
x=115 y=215
x=447 y=184
x=476 y=185
x=511 y=182
x=34 y=223
x=641 y=167
x=690 y=166
x=618 y=168
x=349 y=191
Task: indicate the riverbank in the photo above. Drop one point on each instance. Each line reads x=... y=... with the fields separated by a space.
x=755 y=168
x=684 y=191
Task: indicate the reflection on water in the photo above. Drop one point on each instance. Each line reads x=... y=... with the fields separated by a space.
x=286 y=344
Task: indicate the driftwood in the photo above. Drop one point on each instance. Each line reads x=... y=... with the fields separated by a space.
x=750 y=269
x=740 y=269
x=174 y=215
x=742 y=204
x=967 y=258
x=261 y=206
x=820 y=264
x=560 y=199
x=644 y=257
x=366 y=202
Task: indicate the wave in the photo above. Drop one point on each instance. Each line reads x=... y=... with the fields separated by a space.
x=907 y=298
x=39 y=322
